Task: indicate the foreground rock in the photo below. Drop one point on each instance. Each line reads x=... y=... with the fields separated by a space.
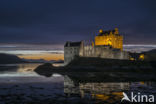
x=45 y=69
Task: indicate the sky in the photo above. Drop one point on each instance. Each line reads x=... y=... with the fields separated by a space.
x=53 y=22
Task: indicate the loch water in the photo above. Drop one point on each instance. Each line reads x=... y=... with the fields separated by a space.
x=19 y=84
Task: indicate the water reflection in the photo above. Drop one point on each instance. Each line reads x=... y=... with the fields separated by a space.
x=65 y=88
x=27 y=67
x=105 y=92
x=18 y=69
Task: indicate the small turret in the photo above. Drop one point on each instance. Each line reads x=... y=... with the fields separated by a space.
x=116 y=31
x=100 y=31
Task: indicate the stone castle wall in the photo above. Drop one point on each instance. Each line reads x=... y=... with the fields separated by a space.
x=104 y=52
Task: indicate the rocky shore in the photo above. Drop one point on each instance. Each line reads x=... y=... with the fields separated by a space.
x=107 y=69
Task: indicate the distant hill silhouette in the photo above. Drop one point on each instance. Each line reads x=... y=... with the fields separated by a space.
x=150 y=55
x=151 y=51
x=9 y=59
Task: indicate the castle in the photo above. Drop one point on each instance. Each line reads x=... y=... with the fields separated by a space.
x=108 y=44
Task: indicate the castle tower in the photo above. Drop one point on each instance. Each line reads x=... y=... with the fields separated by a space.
x=111 y=38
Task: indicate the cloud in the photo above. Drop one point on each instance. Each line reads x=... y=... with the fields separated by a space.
x=55 y=21
x=138 y=48
x=47 y=47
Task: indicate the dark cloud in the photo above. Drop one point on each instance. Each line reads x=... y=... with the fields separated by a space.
x=55 y=21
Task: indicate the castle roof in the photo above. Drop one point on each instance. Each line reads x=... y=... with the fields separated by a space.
x=115 y=31
x=72 y=44
x=106 y=32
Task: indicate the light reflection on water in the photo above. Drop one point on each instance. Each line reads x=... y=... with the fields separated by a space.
x=18 y=69
x=108 y=92
x=19 y=80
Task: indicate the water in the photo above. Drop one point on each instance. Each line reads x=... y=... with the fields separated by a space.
x=19 y=84
x=18 y=69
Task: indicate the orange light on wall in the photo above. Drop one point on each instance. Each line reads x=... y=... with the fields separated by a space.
x=142 y=57
x=109 y=42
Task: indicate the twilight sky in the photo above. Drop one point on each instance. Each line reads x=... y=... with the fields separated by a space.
x=56 y=21
x=38 y=28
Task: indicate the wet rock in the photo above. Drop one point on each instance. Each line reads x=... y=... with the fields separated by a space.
x=45 y=69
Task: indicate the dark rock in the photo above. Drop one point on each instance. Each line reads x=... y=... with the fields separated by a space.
x=45 y=69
